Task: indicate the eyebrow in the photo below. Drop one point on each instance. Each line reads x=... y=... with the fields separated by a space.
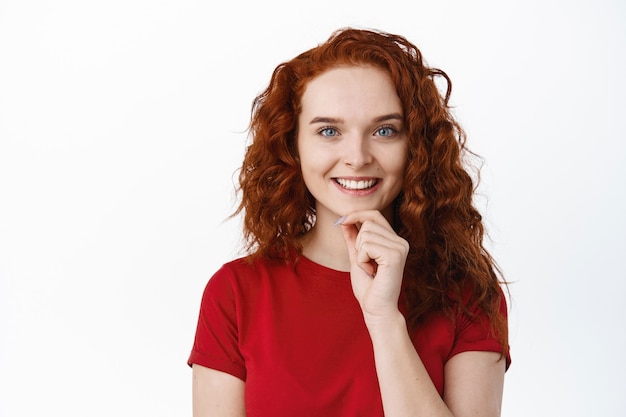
x=392 y=116
x=326 y=120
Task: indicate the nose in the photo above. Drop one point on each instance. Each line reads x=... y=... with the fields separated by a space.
x=356 y=151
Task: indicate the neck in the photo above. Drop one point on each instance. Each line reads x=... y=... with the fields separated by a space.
x=324 y=244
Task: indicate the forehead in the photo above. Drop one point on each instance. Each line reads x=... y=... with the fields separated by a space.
x=351 y=89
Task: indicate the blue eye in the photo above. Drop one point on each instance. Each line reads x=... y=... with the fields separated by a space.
x=386 y=131
x=328 y=132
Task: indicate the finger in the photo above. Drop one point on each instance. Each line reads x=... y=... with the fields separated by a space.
x=382 y=252
x=363 y=216
x=350 y=233
x=357 y=258
x=373 y=231
x=366 y=262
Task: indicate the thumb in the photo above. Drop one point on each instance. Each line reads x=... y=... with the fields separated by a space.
x=350 y=232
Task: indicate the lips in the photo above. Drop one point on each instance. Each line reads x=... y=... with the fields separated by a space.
x=361 y=184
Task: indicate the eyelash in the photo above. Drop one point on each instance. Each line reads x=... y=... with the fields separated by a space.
x=325 y=128
x=393 y=131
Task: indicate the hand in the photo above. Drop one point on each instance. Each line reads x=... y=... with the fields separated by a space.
x=377 y=259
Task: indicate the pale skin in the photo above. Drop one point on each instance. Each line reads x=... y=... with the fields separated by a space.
x=349 y=131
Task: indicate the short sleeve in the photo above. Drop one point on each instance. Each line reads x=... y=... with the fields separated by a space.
x=216 y=343
x=475 y=334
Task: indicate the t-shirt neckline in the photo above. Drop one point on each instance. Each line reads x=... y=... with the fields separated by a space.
x=305 y=264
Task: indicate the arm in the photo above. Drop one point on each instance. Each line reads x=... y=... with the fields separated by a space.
x=217 y=394
x=474 y=383
x=473 y=380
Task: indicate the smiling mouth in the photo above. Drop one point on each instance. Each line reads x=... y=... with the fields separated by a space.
x=356 y=184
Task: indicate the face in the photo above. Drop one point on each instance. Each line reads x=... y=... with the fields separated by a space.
x=351 y=141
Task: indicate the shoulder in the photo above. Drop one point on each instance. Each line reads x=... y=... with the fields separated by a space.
x=482 y=325
x=248 y=271
x=253 y=266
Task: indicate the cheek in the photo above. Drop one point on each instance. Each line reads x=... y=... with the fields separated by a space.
x=315 y=157
x=397 y=161
x=309 y=165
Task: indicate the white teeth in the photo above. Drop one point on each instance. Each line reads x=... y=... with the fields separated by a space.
x=356 y=185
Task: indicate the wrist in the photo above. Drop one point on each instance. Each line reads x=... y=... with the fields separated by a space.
x=383 y=324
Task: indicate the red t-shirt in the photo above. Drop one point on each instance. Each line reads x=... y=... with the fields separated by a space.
x=296 y=336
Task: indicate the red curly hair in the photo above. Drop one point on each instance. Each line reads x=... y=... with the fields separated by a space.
x=434 y=211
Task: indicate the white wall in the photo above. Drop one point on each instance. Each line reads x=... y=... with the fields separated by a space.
x=121 y=125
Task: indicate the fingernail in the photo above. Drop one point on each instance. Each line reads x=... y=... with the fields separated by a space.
x=339 y=221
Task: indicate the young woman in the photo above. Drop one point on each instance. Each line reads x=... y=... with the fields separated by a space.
x=367 y=291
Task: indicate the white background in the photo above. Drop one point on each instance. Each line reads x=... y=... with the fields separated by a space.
x=122 y=124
